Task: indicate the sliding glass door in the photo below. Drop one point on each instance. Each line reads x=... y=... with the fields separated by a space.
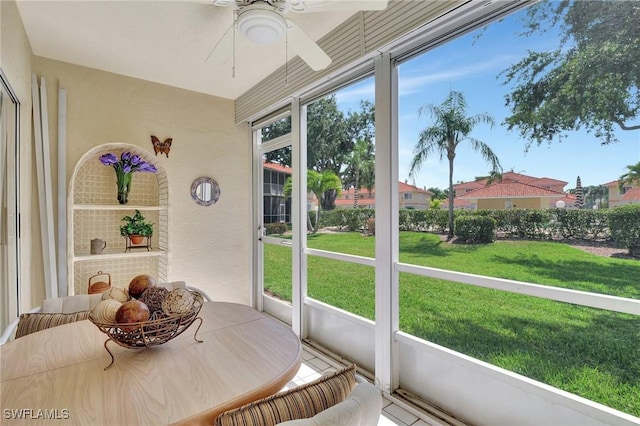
x=8 y=204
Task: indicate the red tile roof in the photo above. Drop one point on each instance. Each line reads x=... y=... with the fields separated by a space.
x=405 y=187
x=513 y=176
x=276 y=167
x=631 y=195
x=402 y=187
x=511 y=189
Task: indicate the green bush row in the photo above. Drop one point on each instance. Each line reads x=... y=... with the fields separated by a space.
x=346 y=219
x=620 y=224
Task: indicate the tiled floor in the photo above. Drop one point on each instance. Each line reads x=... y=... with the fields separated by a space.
x=315 y=365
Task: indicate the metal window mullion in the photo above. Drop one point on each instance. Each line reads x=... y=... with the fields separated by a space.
x=386 y=172
x=298 y=212
x=256 y=223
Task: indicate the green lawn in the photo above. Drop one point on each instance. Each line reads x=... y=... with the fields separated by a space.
x=590 y=352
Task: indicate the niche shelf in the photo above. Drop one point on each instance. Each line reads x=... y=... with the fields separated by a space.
x=93 y=212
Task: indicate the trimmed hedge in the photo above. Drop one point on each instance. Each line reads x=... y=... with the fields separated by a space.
x=275 y=228
x=624 y=225
x=475 y=229
x=586 y=224
x=348 y=219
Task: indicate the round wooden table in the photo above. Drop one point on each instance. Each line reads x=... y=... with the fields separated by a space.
x=57 y=376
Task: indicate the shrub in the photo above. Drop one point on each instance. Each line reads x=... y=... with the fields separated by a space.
x=475 y=229
x=276 y=228
x=584 y=224
x=350 y=219
x=624 y=225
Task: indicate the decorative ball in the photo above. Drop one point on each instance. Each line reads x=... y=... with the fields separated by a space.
x=153 y=297
x=132 y=311
x=105 y=311
x=139 y=284
x=120 y=294
x=179 y=301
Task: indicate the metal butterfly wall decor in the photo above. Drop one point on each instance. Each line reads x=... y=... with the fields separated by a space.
x=161 y=147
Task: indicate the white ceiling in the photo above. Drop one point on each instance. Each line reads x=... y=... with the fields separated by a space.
x=161 y=41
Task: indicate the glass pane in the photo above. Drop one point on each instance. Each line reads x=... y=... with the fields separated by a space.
x=279 y=128
x=276 y=167
x=341 y=161
x=276 y=197
x=341 y=199
x=327 y=282
x=586 y=351
x=539 y=166
x=277 y=271
x=8 y=207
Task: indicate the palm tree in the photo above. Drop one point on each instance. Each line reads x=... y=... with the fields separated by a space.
x=450 y=127
x=631 y=177
x=318 y=184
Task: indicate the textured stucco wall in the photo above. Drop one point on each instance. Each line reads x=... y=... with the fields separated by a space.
x=209 y=247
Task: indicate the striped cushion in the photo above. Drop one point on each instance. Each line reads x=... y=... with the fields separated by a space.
x=298 y=403
x=30 y=323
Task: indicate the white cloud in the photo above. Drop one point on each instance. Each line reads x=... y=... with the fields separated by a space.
x=411 y=85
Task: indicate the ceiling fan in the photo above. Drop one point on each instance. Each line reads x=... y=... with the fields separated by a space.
x=264 y=22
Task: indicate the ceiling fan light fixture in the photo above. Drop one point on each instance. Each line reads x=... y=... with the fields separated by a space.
x=261 y=24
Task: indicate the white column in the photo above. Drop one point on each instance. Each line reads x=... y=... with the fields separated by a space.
x=299 y=212
x=387 y=306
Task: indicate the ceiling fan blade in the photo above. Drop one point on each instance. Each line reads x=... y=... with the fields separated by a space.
x=306 y=48
x=336 y=5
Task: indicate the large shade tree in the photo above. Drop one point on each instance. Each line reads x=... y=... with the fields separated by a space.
x=450 y=126
x=591 y=79
x=355 y=154
x=331 y=137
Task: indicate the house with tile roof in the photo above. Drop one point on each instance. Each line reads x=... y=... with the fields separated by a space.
x=515 y=190
x=409 y=196
x=628 y=194
x=277 y=207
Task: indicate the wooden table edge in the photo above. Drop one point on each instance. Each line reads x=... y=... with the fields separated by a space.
x=208 y=417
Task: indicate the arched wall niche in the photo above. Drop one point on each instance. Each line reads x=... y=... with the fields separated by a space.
x=93 y=212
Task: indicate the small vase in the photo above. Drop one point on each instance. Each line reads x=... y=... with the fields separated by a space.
x=123 y=197
x=123 y=181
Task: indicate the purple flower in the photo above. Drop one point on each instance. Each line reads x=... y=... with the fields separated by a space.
x=108 y=159
x=146 y=167
x=135 y=159
x=127 y=164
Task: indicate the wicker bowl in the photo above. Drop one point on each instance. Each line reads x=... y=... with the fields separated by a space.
x=158 y=330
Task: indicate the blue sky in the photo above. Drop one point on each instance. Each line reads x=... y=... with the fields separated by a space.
x=471 y=65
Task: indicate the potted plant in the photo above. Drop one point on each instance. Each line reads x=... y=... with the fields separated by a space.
x=136 y=227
